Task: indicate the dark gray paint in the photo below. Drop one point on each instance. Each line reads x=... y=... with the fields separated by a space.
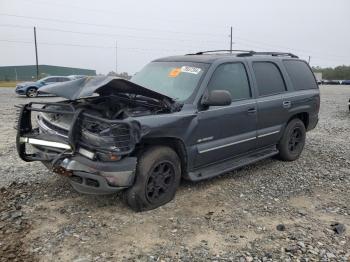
x=211 y=135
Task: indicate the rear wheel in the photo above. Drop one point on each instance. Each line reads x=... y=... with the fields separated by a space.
x=157 y=178
x=293 y=140
x=32 y=92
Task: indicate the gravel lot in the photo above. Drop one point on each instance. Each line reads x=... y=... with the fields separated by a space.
x=269 y=211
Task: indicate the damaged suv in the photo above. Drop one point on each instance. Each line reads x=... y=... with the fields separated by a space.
x=193 y=116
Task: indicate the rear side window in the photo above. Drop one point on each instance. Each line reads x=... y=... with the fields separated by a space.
x=231 y=77
x=63 y=79
x=300 y=75
x=268 y=78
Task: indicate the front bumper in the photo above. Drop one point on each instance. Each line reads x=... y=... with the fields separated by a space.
x=20 y=91
x=63 y=156
x=90 y=177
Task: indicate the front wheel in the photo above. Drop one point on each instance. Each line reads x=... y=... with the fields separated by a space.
x=293 y=140
x=32 y=92
x=158 y=175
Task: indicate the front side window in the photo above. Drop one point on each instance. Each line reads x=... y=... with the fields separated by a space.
x=268 y=78
x=177 y=80
x=233 y=78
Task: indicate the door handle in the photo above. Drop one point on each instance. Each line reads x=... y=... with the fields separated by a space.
x=251 y=110
x=287 y=104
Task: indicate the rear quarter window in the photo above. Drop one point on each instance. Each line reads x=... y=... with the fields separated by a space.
x=300 y=74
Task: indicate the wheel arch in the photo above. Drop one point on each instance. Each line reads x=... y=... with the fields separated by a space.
x=303 y=116
x=174 y=143
x=29 y=87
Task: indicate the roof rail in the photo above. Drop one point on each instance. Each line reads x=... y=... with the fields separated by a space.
x=251 y=53
x=218 y=51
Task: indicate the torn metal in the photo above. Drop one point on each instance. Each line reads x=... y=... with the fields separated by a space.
x=90 y=138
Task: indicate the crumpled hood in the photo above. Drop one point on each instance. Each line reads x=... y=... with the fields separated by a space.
x=102 y=85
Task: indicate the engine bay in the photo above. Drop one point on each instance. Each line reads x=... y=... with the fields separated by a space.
x=120 y=107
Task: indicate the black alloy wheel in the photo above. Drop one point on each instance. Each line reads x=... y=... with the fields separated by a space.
x=293 y=140
x=157 y=177
x=161 y=178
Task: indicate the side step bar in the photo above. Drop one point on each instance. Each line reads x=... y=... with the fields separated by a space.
x=231 y=164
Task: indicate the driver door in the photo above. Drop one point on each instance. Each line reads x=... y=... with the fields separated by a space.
x=225 y=132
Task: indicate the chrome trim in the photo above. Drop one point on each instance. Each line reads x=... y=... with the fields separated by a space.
x=268 y=134
x=226 y=107
x=43 y=126
x=86 y=153
x=262 y=100
x=40 y=142
x=230 y=144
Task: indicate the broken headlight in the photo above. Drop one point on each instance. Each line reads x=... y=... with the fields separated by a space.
x=109 y=138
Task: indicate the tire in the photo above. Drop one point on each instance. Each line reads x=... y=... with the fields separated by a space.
x=293 y=140
x=32 y=92
x=158 y=175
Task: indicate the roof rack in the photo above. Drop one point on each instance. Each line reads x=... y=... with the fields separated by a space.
x=251 y=53
x=243 y=53
x=218 y=51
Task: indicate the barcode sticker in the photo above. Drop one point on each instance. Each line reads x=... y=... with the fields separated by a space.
x=190 y=69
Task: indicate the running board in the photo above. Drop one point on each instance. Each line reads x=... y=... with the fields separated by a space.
x=231 y=164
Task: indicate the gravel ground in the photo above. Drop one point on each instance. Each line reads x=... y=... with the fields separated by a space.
x=269 y=211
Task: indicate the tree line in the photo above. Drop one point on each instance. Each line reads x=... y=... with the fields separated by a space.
x=336 y=73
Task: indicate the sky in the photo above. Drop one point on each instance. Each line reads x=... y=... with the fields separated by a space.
x=109 y=34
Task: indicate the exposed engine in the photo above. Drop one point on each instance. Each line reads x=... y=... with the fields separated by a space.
x=103 y=124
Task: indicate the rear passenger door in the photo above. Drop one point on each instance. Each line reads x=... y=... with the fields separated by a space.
x=271 y=114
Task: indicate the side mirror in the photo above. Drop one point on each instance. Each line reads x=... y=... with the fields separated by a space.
x=217 y=98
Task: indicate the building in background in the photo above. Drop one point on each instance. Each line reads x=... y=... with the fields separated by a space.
x=28 y=72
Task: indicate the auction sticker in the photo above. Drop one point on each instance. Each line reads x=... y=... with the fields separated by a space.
x=175 y=72
x=190 y=69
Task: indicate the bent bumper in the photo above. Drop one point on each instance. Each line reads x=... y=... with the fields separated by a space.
x=86 y=176
x=66 y=156
x=93 y=177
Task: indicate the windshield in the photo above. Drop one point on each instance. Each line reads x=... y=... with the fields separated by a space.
x=174 y=79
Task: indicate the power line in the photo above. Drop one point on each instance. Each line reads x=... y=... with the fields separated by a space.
x=284 y=48
x=250 y=42
x=104 y=11
x=93 y=46
x=106 y=34
x=257 y=44
x=106 y=25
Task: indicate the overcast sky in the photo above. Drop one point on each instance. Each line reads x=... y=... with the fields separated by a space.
x=83 y=33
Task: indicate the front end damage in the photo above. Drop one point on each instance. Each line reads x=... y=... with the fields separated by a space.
x=94 y=152
x=92 y=136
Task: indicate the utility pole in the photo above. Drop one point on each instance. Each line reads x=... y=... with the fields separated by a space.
x=36 y=55
x=309 y=60
x=116 y=57
x=231 y=41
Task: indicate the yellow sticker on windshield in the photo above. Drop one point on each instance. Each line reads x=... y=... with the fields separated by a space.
x=175 y=72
